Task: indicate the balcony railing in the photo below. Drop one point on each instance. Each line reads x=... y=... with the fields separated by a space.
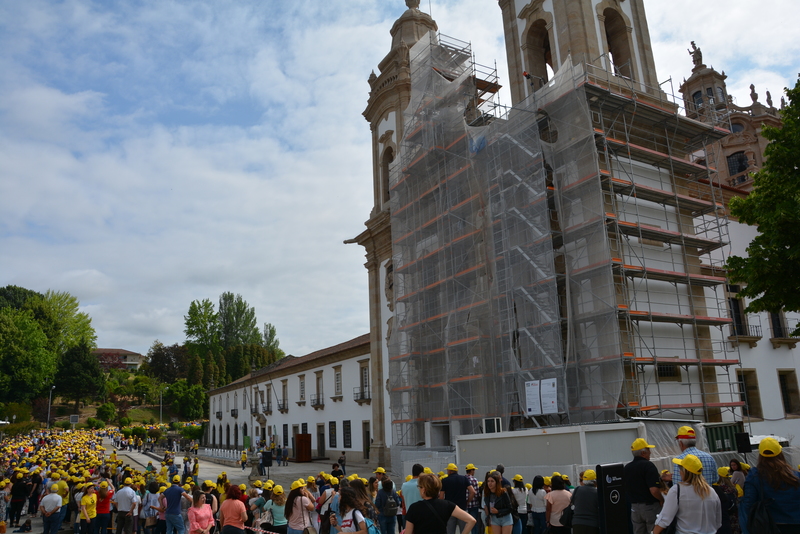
x=283 y=405
x=267 y=407
x=255 y=408
x=746 y=330
x=317 y=401
x=235 y=413
x=361 y=394
x=219 y=415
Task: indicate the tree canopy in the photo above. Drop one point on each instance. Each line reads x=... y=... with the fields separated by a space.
x=167 y=363
x=27 y=366
x=79 y=375
x=237 y=322
x=771 y=271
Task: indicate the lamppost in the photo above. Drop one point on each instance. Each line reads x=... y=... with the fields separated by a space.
x=161 y=405
x=49 y=403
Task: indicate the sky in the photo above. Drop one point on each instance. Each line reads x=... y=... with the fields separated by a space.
x=156 y=152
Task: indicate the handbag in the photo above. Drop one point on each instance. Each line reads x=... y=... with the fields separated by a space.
x=673 y=526
x=568 y=513
x=310 y=529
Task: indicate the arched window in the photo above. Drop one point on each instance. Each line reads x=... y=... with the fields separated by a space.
x=227 y=402
x=244 y=431
x=228 y=436
x=737 y=163
x=618 y=47
x=720 y=95
x=236 y=436
x=697 y=98
x=737 y=127
x=386 y=159
x=213 y=435
x=539 y=56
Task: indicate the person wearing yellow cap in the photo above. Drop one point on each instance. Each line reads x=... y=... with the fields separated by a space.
x=586 y=517
x=728 y=497
x=520 y=493
x=88 y=509
x=642 y=482
x=474 y=504
x=691 y=502
x=774 y=481
x=299 y=503
x=737 y=473
x=687 y=441
x=50 y=507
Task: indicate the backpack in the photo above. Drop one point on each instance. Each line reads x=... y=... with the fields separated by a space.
x=372 y=528
x=390 y=508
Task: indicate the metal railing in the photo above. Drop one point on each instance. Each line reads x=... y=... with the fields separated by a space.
x=361 y=393
x=746 y=330
x=317 y=400
x=219 y=415
x=283 y=405
x=235 y=413
x=255 y=408
x=267 y=407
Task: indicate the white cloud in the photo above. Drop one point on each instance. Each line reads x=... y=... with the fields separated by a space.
x=162 y=152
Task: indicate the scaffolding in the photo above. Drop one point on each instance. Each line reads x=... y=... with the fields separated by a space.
x=572 y=241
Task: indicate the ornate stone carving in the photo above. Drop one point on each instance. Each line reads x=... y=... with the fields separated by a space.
x=389 y=285
x=769 y=99
x=697 y=55
x=753 y=94
x=413 y=4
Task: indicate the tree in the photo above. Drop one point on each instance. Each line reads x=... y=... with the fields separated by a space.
x=237 y=321
x=71 y=327
x=195 y=372
x=79 y=375
x=26 y=364
x=770 y=273
x=107 y=412
x=167 y=363
x=188 y=401
x=202 y=328
x=271 y=343
x=16 y=297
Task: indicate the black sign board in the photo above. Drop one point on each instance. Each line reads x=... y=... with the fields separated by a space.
x=613 y=506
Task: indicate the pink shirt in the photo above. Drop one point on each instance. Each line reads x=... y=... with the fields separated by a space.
x=231 y=513
x=200 y=518
x=299 y=519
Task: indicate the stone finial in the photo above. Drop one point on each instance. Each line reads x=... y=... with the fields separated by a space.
x=769 y=99
x=412 y=4
x=753 y=94
x=783 y=102
x=697 y=55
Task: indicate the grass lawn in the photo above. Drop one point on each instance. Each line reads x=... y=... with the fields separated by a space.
x=143 y=414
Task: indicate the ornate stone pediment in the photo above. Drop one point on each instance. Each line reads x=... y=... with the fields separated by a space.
x=530 y=9
x=739 y=138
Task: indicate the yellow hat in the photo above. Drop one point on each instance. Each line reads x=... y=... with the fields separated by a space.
x=270 y=482
x=277 y=490
x=547 y=481
x=724 y=472
x=242 y=487
x=187 y=487
x=176 y=478
x=311 y=479
x=334 y=481
x=427 y=471
x=685 y=432
x=53 y=487
x=127 y=481
x=55 y=476
x=639 y=444
x=665 y=471
x=745 y=466
x=104 y=484
x=452 y=467
x=408 y=477
x=296 y=484
x=470 y=467
x=258 y=484
x=440 y=473
x=518 y=477
x=691 y=463
x=555 y=474
x=589 y=474
x=769 y=447
x=382 y=470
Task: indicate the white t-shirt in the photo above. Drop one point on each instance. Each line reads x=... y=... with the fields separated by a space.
x=538 y=501
x=348 y=525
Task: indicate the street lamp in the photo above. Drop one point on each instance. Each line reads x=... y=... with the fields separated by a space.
x=49 y=403
x=161 y=405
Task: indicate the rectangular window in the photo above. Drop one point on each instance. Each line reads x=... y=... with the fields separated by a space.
x=304 y=428
x=285 y=435
x=319 y=384
x=749 y=393
x=668 y=372
x=302 y=387
x=332 y=434
x=787 y=379
x=337 y=380
x=346 y=435
x=364 y=377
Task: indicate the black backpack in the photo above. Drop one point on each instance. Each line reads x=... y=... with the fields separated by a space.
x=760 y=519
x=390 y=508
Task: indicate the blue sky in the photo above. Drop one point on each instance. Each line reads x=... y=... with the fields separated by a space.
x=157 y=152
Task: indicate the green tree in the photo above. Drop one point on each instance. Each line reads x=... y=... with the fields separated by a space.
x=79 y=375
x=271 y=343
x=167 y=363
x=16 y=297
x=210 y=374
x=237 y=321
x=201 y=327
x=195 y=372
x=770 y=273
x=26 y=365
x=107 y=412
x=188 y=401
x=71 y=326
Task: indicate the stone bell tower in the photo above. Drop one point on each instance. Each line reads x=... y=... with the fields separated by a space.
x=389 y=94
x=610 y=34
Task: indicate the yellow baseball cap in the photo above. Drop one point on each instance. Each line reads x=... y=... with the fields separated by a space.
x=187 y=487
x=242 y=487
x=427 y=471
x=769 y=447
x=382 y=470
x=296 y=484
x=452 y=467
x=470 y=467
x=277 y=490
x=518 y=477
x=589 y=474
x=176 y=478
x=104 y=484
x=547 y=481
x=639 y=444
x=724 y=472
x=311 y=479
x=127 y=481
x=685 y=432
x=258 y=484
x=691 y=463
x=334 y=481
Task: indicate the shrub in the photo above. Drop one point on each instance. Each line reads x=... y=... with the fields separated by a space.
x=139 y=431
x=124 y=421
x=126 y=432
x=192 y=432
x=154 y=433
x=95 y=423
x=62 y=424
x=107 y=412
x=61 y=411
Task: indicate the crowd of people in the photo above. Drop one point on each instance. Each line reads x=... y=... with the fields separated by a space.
x=73 y=483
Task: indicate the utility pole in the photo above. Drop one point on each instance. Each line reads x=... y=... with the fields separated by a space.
x=49 y=403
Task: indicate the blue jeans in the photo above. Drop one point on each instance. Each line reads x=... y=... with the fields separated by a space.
x=174 y=521
x=290 y=530
x=100 y=523
x=539 y=522
x=52 y=523
x=387 y=523
x=476 y=513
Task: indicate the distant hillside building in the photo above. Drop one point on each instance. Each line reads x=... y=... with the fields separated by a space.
x=118 y=359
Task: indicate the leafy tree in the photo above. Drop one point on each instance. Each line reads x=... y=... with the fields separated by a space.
x=79 y=375
x=271 y=343
x=107 y=412
x=26 y=364
x=195 y=372
x=39 y=409
x=771 y=271
x=95 y=423
x=22 y=411
x=202 y=328
x=210 y=374
x=139 y=431
x=188 y=401
x=192 y=431
x=70 y=327
x=237 y=321
x=167 y=363
x=16 y=297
